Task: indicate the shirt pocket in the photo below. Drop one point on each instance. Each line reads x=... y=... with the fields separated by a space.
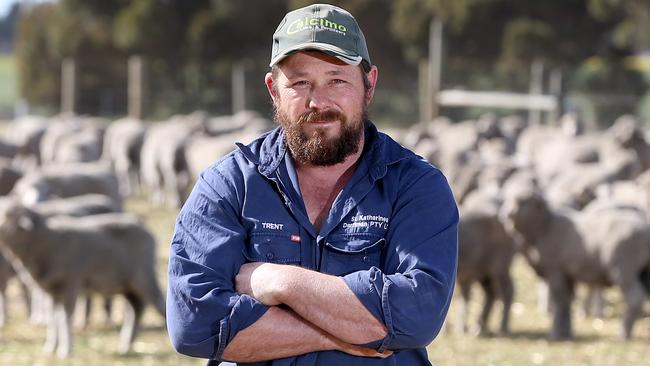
x=272 y=248
x=344 y=256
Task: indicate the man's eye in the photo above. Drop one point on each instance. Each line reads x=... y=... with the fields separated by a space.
x=301 y=83
x=338 y=81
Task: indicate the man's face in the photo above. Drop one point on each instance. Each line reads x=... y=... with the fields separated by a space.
x=321 y=103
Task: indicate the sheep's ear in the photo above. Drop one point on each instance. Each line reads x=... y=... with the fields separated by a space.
x=26 y=223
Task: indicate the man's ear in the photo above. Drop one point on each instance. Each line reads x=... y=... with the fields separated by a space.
x=270 y=86
x=372 y=75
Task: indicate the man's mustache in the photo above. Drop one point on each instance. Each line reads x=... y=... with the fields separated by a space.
x=313 y=116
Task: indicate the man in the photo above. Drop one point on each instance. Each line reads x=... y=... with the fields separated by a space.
x=323 y=242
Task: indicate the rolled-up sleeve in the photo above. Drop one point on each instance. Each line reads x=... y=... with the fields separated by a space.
x=203 y=310
x=412 y=292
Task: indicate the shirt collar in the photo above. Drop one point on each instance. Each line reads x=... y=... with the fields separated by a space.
x=270 y=149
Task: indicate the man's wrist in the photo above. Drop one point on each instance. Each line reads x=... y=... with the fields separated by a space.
x=282 y=282
x=272 y=283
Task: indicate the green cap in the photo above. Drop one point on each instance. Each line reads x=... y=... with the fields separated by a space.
x=320 y=27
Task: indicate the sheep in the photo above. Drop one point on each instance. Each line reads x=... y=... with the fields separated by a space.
x=532 y=140
x=77 y=206
x=201 y=151
x=628 y=133
x=81 y=147
x=60 y=181
x=246 y=119
x=7 y=149
x=51 y=140
x=561 y=153
x=601 y=248
x=485 y=255
x=72 y=140
x=122 y=147
x=622 y=194
x=6 y=273
x=576 y=186
x=8 y=177
x=107 y=254
x=163 y=166
x=511 y=128
x=26 y=133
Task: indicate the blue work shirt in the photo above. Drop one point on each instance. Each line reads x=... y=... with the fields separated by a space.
x=391 y=234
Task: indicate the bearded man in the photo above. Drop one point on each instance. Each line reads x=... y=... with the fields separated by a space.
x=323 y=242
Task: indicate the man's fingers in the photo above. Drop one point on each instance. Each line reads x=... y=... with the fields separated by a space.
x=365 y=352
x=385 y=354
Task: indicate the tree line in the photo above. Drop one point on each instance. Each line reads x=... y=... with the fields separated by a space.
x=190 y=48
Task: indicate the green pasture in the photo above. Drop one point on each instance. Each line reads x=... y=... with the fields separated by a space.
x=596 y=340
x=8 y=80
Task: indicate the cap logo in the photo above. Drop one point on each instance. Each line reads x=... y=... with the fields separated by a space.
x=309 y=23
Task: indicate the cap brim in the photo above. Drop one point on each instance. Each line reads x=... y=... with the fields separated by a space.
x=331 y=50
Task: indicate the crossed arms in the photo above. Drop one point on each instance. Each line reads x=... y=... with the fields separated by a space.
x=220 y=307
x=323 y=314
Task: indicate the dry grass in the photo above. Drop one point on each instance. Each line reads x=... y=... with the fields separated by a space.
x=596 y=341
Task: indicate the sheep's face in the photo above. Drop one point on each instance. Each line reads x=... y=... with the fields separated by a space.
x=626 y=131
x=14 y=219
x=31 y=192
x=524 y=212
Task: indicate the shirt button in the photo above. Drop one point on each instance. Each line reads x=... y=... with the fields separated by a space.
x=269 y=255
x=365 y=259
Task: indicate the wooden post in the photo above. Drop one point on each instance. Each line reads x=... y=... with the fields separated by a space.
x=555 y=88
x=536 y=86
x=67 y=86
x=135 y=87
x=238 y=88
x=435 y=60
x=424 y=99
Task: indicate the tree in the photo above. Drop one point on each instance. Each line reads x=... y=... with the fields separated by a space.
x=37 y=57
x=7 y=30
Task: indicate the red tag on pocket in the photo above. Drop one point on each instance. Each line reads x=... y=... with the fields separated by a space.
x=295 y=238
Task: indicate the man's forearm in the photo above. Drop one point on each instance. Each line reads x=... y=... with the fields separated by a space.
x=327 y=302
x=277 y=334
x=282 y=333
x=323 y=300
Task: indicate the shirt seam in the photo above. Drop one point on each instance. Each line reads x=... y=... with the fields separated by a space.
x=221 y=340
x=388 y=319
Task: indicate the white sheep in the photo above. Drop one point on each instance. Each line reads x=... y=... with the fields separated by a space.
x=6 y=273
x=68 y=180
x=26 y=133
x=106 y=254
x=163 y=168
x=602 y=248
x=122 y=147
x=8 y=177
x=485 y=253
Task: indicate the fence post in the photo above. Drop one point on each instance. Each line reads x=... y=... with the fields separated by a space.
x=435 y=60
x=238 y=88
x=536 y=86
x=424 y=99
x=555 y=88
x=135 y=87
x=68 y=86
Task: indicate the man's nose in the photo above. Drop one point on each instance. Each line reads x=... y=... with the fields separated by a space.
x=319 y=98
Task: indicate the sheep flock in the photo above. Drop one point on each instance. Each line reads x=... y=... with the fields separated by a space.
x=572 y=203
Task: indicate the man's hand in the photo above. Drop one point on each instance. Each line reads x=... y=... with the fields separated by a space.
x=360 y=351
x=260 y=281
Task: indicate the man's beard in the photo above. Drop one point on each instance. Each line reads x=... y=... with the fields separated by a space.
x=318 y=149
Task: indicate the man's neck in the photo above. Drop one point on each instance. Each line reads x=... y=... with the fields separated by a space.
x=319 y=185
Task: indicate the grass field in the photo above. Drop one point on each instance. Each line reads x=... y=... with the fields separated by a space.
x=596 y=340
x=8 y=80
